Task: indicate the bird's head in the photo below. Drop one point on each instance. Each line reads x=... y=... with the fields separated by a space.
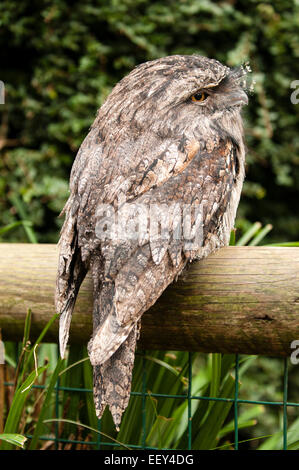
x=178 y=95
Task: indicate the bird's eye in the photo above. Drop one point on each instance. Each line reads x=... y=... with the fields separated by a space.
x=198 y=97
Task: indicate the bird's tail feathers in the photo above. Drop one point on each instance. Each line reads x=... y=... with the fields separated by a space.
x=72 y=272
x=64 y=325
x=107 y=339
x=112 y=379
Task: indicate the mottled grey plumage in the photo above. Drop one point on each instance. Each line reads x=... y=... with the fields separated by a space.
x=150 y=144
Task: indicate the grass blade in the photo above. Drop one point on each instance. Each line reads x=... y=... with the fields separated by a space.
x=44 y=410
x=38 y=341
x=261 y=234
x=16 y=201
x=13 y=225
x=283 y=244
x=15 y=439
x=249 y=234
x=17 y=406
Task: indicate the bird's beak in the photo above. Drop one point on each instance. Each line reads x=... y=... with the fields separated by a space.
x=238 y=98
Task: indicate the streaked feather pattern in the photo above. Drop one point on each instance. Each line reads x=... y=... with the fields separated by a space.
x=150 y=149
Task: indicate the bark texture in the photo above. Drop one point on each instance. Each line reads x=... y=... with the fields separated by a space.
x=240 y=299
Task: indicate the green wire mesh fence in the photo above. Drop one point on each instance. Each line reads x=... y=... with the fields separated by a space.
x=187 y=397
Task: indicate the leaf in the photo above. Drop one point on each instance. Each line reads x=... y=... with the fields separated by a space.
x=15 y=439
x=17 y=406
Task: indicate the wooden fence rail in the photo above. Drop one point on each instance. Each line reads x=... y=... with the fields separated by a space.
x=240 y=299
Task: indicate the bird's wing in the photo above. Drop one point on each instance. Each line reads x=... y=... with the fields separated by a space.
x=141 y=271
x=130 y=276
x=100 y=173
x=72 y=268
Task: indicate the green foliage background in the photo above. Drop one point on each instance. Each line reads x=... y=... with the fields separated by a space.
x=61 y=58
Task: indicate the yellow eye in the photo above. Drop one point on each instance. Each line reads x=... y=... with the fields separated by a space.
x=198 y=97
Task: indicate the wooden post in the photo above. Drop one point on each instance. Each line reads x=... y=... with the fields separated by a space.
x=240 y=299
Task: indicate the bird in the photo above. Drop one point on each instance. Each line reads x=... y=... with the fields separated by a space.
x=155 y=185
